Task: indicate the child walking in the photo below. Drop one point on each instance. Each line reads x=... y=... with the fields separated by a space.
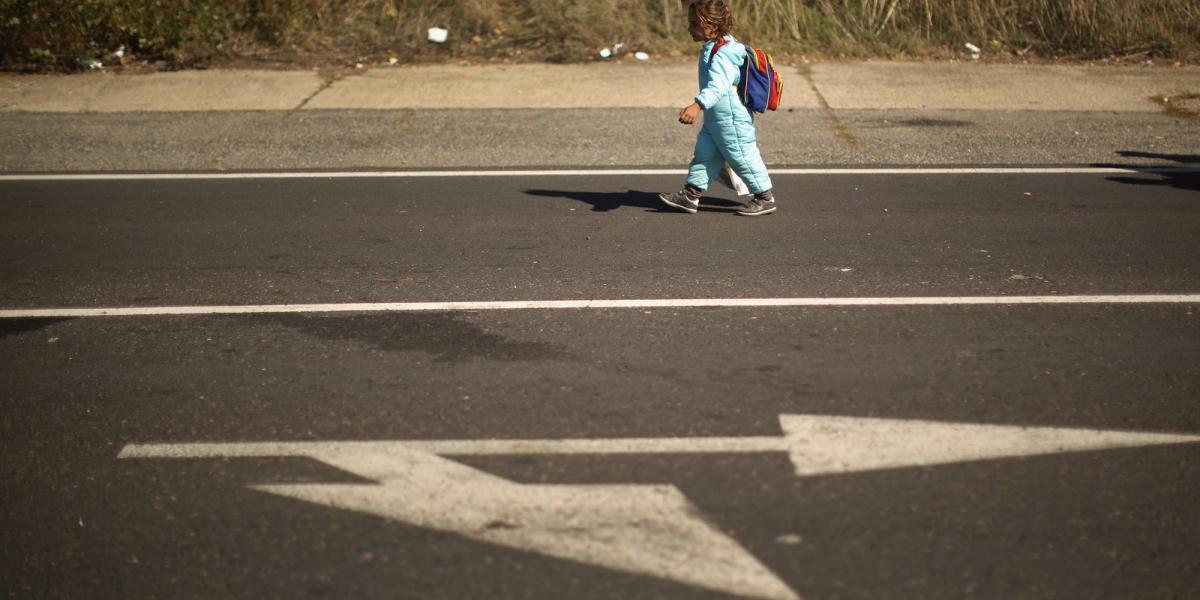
x=727 y=135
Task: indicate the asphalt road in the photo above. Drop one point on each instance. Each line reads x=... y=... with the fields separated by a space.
x=88 y=243
x=79 y=521
x=350 y=139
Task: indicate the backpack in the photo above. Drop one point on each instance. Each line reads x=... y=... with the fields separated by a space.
x=761 y=87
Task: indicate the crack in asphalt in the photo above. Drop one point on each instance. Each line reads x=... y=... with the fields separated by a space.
x=840 y=130
x=325 y=84
x=328 y=78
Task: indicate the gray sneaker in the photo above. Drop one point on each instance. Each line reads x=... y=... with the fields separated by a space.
x=757 y=207
x=681 y=201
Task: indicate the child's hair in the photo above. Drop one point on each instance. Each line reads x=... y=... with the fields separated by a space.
x=713 y=13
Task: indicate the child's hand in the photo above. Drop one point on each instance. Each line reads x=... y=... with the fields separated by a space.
x=688 y=115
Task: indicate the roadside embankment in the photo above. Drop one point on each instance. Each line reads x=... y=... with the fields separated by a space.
x=80 y=34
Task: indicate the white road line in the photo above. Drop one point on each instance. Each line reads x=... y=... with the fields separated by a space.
x=818 y=444
x=712 y=445
x=593 y=304
x=586 y=172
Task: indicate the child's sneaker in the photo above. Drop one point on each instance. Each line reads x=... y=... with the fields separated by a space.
x=760 y=204
x=681 y=201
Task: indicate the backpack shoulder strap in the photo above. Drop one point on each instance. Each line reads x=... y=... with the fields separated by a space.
x=717 y=46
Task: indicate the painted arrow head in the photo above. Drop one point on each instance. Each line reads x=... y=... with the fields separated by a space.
x=645 y=529
x=821 y=445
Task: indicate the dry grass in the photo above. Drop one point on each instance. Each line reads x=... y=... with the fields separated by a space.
x=61 y=33
x=1078 y=28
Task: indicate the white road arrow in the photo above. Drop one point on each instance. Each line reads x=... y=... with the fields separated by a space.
x=645 y=529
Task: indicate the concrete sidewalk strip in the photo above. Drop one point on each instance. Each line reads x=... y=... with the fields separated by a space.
x=965 y=86
x=670 y=85
x=846 y=86
x=189 y=91
x=661 y=85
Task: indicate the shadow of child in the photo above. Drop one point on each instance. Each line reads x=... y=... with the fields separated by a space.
x=607 y=201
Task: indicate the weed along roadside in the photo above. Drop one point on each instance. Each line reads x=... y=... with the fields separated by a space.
x=72 y=36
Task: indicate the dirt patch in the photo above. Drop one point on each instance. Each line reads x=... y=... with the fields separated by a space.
x=1180 y=106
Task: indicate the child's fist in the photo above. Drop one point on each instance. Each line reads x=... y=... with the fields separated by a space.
x=688 y=115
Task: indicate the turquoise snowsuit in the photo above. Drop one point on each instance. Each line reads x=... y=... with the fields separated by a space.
x=728 y=131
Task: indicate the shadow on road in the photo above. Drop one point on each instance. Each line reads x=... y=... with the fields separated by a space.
x=16 y=327
x=606 y=201
x=1188 y=159
x=447 y=337
x=1181 y=180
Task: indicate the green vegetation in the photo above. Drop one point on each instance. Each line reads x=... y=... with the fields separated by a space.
x=65 y=34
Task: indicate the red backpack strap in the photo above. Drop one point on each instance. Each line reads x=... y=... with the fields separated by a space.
x=720 y=43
